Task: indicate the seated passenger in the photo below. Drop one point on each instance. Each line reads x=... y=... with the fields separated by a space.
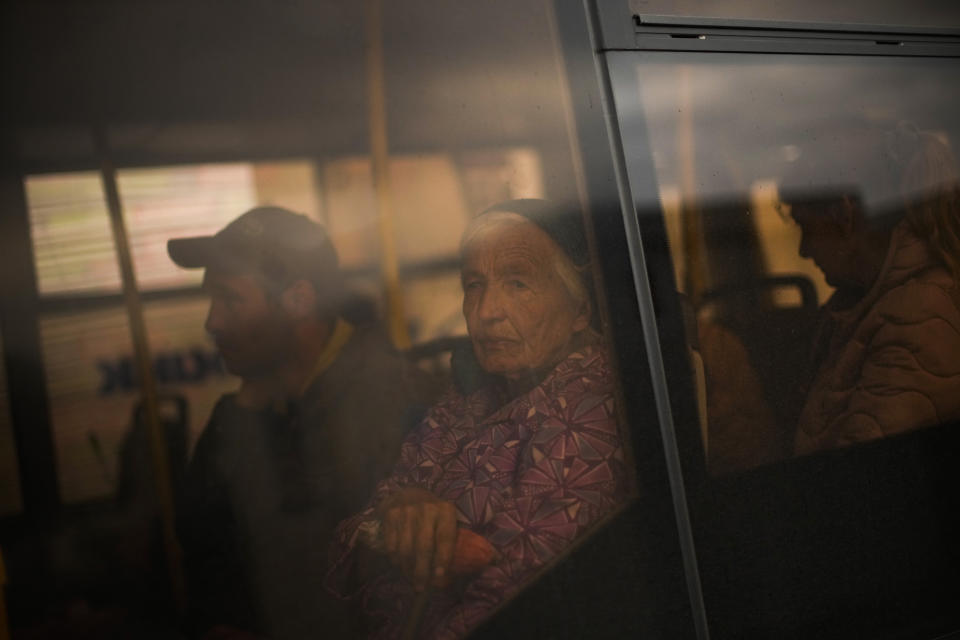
x=742 y=432
x=496 y=482
x=888 y=349
x=322 y=406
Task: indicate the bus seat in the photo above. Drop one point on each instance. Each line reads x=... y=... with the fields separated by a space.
x=696 y=366
x=777 y=338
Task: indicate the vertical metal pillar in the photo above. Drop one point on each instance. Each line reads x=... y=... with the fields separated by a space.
x=377 y=122
x=695 y=268
x=23 y=356
x=148 y=387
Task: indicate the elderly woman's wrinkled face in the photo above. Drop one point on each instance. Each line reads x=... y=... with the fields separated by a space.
x=520 y=316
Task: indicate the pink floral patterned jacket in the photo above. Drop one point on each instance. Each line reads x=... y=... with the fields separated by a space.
x=529 y=474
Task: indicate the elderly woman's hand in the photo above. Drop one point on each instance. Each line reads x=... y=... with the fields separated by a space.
x=419 y=534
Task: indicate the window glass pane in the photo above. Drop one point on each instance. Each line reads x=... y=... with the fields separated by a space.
x=433 y=305
x=160 y=203
x=267 y=105
x=495 y=175
x=10 y=501
x=433 y=194
x=91 y=393
x=811 y=215
x=179 y=201
x=792 y=183
x=93 y=389
x=72 y=242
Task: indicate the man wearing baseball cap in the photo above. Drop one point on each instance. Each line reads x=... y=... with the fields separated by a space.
x=320 y=413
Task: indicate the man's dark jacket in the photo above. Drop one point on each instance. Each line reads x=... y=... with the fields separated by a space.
x=265 y=490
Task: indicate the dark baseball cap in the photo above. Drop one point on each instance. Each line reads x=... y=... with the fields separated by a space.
x=278 y=244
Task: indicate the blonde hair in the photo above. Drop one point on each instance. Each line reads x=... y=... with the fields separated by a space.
x=930 y=186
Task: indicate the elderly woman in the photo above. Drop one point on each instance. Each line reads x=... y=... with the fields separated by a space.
x=496 y=482
x=888 y=353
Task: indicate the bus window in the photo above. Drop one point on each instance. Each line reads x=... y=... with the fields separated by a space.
x=192 y=199
x=514 y=328
x=797 y=328
x=72 y=245
x=806 y=207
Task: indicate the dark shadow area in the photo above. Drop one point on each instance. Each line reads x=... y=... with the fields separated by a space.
x=850 y=543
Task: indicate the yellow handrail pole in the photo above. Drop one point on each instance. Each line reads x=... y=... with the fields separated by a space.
x=377 y=124
x=148 y=387
x=689 y=205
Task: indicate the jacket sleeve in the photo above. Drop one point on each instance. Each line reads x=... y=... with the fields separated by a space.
x=572 y=474
x=342 y=578
x=911 y=371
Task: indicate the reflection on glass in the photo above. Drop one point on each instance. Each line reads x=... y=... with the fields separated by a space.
x=89 y=373
x=70 y=228
x=887 y=356
x=160 y=202
x=295 y=441
x=434 y=195
x=88 y=358
x=433 y=305
x=93 y=389
x=811 y=208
